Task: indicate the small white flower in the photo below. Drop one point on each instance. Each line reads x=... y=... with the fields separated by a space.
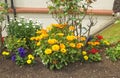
x=19 y=24
x=30 y=19
x=11 y=18
x=27 y=26
x=22 y=17
x=18 y=20
x=37 y=24
x=33 y=26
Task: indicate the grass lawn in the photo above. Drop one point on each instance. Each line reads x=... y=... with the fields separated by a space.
x=112 y=33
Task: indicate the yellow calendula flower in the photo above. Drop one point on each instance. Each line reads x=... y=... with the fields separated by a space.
x=84 y=52
x=42 y=31
x=62 y=45
x=48 y=51
x=32 y=38
x=5 y=53
x=38 y=43
x=70 y=38
x=55 y=47
x=72 y=45
x=52 y=41
x=44 y=35
x=90 y=42
x=106 y=42
x=63 y=50
x=49 y=27
x=82 y=38
x=59 y=25
x=60 y=34
x=29 y=61
x=71 y=28
x=86 y=57
x=79 y=45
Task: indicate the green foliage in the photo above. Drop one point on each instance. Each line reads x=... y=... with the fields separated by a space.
x=114 y=52
x=58 y=46
x=11 y=43
x=4 y=11
x=95 y=57
x=23 y=28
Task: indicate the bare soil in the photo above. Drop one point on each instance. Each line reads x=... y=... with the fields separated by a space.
x=103 y=69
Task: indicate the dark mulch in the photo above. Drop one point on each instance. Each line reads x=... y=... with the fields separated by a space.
x=103 y=69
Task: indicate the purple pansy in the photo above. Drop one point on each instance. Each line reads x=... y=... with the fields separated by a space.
x=13 y=57
x=21 y=51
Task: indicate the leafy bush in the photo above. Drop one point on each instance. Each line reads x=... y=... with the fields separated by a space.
x=114 y=52
x=58 y=46
x=23 y=28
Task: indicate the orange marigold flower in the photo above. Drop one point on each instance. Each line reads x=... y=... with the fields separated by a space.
x=97 y=43
x=62 y=46
x=79 y=45
x=82 y=38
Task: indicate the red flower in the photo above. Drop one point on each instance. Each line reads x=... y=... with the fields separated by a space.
x=99 y=37
x=93 y=51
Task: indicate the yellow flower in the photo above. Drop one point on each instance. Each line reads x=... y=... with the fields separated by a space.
x=86 y=57
x=84 y=52
x=82 y=38
x=106 y=42
x=29 y=61
x=38 y=43
x=59 y=25
x=79 y=45
x=32 y=38
x=71 y=28
x=70 y=38
x=18 y=40
x=55 y=47
x=63 y=50
x=62 y=46
x=72 y=45
x=38 y=38
x=49 y=27
x=60 y=34
x=52 y=41
x=96 y=43
x=5 y=53
x=30 y=57
x=90 y=42
x=42 y=31
x=48 y=51
x=44 y=35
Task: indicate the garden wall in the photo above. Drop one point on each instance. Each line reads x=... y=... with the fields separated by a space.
x=46 y=19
